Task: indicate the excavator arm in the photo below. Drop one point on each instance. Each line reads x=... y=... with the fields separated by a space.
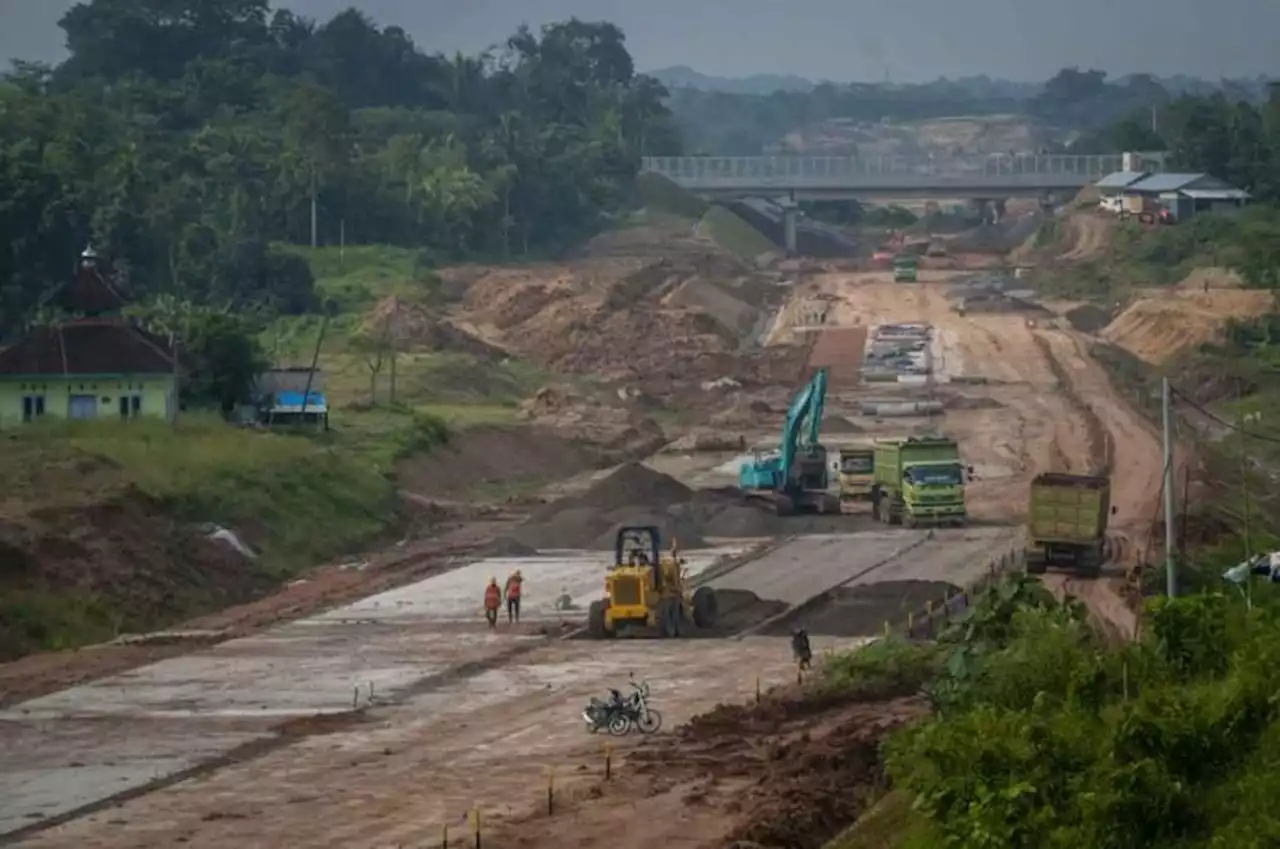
x=803 y=424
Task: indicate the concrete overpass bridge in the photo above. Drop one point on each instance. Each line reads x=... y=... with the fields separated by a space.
x=996 y=177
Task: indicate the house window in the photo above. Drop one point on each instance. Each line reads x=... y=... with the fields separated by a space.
x=130 y=406
x=32 y=407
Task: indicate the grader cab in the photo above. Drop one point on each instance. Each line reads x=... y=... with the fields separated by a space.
x=646 y=589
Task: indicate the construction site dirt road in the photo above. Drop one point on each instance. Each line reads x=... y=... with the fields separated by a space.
x=379 y=723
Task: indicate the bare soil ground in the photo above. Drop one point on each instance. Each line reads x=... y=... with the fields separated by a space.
x=490 y=741
x=786 y=772
x=1164 y=323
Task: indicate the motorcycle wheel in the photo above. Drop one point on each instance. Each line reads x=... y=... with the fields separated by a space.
x=649 y=722
x=619 y=725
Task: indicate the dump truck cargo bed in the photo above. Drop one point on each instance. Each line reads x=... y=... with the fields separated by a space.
x=1067 y=522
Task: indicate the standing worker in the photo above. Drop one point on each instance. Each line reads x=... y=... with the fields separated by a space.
x=514 y=584
x=492 y=601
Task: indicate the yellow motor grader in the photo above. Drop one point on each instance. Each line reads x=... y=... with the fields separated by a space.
x=647 y=590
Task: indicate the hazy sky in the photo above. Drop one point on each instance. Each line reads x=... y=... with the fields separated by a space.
x=832 y=39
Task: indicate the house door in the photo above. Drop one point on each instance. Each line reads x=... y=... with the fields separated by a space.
x=82 y=407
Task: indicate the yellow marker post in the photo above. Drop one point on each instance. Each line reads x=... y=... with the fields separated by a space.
x=608 y=762
x=551 y=792
x=887 y=629
x=475 y=825
x=911 y=624
x=757 y=689
x=444 y=836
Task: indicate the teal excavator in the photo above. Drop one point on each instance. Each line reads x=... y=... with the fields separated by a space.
x=796 y=477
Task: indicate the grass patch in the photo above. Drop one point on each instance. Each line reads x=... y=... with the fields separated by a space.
x=661 y=194
x=735 y=235
x=358 y=276
x=35 y=620
x=881 y=669
x=891 y=824
x=306 y=496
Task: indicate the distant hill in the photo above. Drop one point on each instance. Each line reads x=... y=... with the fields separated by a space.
x=682 y=76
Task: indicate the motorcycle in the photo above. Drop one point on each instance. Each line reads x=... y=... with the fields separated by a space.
x=610 y=715
x=619 y=715
x=638 y=712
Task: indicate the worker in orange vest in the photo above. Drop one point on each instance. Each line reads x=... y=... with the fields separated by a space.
x=514 y=584
x=492 y=601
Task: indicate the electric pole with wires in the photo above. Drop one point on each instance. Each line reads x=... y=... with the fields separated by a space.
x=1170 y=562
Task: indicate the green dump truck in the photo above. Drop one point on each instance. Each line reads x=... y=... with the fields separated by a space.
x=1067 y=523
x=906 y=268
x=919 y=481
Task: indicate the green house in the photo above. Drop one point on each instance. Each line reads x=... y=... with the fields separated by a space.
x=95 y=365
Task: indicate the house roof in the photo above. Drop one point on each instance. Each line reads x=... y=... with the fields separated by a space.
x=1170 y=181
x=90 y=292
x=1215 y=194
x=87 y=347
x=1120 y=179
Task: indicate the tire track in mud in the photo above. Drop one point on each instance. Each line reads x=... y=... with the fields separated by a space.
x=1101 y=445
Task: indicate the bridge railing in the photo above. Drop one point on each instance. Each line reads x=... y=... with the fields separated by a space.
x=842 y=169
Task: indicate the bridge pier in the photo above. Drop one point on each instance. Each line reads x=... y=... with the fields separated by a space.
x=989 y=211
x=790 y=215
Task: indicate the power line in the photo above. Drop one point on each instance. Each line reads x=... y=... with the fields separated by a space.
x=1223 y=422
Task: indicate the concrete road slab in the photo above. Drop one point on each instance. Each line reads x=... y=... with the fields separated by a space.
x=486 y=741
x=71 y=748
x=807 y=566
x=456 y=596
x=804 y=567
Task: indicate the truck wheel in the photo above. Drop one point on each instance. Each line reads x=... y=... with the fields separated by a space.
x=597 y=628
x=706 y=607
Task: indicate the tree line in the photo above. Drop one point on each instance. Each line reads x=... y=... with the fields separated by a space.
x=1073 y=100
x=185 y=138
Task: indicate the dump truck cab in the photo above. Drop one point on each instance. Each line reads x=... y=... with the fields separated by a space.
x=906 y=268
x=1067 y=523
x=857 y=472
x=919 y=481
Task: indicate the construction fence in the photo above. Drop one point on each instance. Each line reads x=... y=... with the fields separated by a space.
x=928 y=622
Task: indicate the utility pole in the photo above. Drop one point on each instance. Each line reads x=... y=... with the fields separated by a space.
x=314 y=238
x=1170 y=565
x=1244 y=474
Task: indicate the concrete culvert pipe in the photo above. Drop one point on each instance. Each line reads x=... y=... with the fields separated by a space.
x=901 y=408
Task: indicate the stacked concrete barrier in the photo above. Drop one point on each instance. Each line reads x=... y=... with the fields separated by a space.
x=898 y=352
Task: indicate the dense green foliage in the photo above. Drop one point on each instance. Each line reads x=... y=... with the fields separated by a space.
x=1044 y=736
x=186 y=138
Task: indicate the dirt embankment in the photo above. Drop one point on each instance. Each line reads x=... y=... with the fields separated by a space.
x=489 y=463
x=1165 y=323
x=788 y=772
x=635 y=495
x=651 y=325
x=120 y=565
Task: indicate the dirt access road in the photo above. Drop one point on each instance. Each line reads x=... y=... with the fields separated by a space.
x=1046 y=404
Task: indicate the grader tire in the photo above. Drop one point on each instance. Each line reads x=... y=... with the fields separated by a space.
x=706 y=608
x=597 y=629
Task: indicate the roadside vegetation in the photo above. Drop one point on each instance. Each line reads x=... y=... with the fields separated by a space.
x=1045 y=735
